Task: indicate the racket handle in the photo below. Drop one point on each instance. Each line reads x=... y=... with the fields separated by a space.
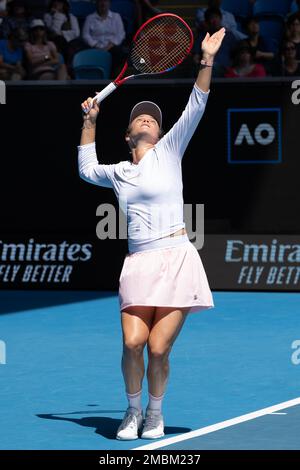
x=105 y=92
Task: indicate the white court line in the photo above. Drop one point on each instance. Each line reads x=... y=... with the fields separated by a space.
x=221 y=425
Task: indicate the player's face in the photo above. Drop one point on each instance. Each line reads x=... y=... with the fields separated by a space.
x=145 y=124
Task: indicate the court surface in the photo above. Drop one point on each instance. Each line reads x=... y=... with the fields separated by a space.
x=234 y=380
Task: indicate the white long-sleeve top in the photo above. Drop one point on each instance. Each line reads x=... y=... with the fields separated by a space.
x=99 y=32
x=55 y=21
x=150 y=192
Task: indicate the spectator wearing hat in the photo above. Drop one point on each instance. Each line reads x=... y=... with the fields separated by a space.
x=11 y=56
x=42 y=56
x=244 y=64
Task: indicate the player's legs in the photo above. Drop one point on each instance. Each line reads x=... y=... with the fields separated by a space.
x=136 y=325
x=165 y=329
x=166 y=326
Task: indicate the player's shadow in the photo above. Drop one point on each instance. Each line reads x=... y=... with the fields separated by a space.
x=106 y=427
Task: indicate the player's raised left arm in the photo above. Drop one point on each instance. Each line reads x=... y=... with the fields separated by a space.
x=210 y=46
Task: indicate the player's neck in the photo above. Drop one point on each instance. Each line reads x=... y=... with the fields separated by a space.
x=139 y=151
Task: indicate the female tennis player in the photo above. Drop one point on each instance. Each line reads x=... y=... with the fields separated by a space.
x=162 y=279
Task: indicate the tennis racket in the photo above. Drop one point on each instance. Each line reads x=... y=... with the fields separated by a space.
x=159 y=45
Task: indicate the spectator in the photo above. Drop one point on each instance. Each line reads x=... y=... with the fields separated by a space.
x=228 y=20
x=244 y=63
x=223 y=58
x=17 y=17
x=42 y=56
x=261 y=45
x=11 y=56
x=104 y=30
x=287 y=66
x=63 y=27
x=293 y=31
x=60 y=21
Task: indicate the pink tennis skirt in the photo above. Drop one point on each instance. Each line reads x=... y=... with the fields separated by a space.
x=165 y=277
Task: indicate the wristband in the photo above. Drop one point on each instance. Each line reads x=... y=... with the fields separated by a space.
x=208 y=63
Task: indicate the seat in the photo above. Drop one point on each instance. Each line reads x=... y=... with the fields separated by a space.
x=294 y=7
x=92 y=64
x=81 y=10
x=272 y=27
x=239 y=8
x=274 y=7
x=126 y=9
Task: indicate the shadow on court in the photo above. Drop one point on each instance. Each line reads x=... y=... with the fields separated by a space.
x=16 y=301
x=106 y=427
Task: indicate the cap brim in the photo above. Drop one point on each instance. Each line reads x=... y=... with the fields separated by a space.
x=146 y=107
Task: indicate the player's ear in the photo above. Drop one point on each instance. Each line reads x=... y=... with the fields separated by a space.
x=127 y=134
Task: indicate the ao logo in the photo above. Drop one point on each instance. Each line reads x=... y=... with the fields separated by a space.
x=254 y=135
x=264 y=134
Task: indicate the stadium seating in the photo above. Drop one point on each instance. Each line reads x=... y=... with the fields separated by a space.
x=239 y=8
x=126 y=9
x=272 y=7
x=81 y=10
x=92 y=64
x=273 y=28
x=294 y=7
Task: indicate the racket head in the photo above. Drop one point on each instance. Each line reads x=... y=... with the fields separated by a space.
x=160 y=44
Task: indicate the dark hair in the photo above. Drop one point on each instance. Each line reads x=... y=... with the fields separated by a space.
x=18 y=33
x=248 y=20
x=292 y=18
x=241 y=47
x=31 y=35
x=284 y=44
x=16 y=3
x=212 y=11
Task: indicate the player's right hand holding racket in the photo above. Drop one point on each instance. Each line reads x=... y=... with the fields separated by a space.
x=93 y=110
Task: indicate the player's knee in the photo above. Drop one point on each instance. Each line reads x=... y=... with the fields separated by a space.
x=158 y=350
x=134 y=345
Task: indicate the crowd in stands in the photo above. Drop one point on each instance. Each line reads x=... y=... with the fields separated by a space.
x=40 y=38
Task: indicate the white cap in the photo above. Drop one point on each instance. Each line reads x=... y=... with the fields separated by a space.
x=146 y=107
x=37 y=22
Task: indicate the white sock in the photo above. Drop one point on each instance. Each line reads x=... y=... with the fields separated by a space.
x=155 y=403
x=135 y=400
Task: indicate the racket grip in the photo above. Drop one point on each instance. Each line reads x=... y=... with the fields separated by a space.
x=105 y=92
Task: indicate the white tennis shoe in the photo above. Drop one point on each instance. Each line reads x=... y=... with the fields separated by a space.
x=153 y=426
x=131 y=424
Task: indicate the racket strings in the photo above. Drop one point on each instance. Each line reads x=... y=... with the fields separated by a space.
x=157 y=54
x=161 y=45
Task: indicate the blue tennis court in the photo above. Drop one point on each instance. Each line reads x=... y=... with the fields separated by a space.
x=234 y=381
